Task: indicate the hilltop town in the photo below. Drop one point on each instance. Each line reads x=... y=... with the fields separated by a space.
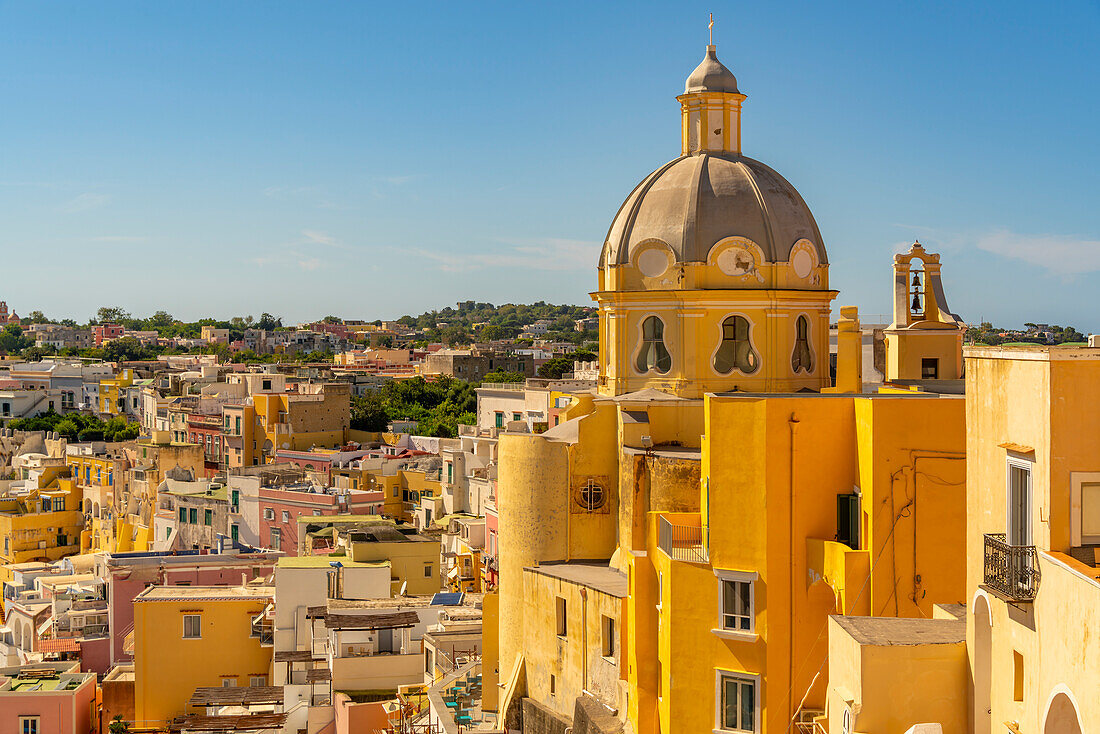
x=715 y=501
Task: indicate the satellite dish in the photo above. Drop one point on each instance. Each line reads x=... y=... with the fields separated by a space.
x=404 y=585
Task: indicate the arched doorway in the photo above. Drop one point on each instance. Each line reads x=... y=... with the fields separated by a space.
x=1061 y=716
x=983 y=664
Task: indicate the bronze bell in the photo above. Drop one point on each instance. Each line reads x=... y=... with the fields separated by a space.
x=916 y=302
x=916 y=279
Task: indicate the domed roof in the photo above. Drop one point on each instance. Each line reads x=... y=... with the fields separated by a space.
x=711 y=76
x=695 y=201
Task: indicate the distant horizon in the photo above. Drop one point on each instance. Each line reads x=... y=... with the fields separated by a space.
x=376 y=161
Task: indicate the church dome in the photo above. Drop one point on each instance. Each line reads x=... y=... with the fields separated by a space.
x=700 y=199
x=711 y=75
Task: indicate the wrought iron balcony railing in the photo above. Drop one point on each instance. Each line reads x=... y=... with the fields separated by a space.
x=1011 y=570
x=682 y=542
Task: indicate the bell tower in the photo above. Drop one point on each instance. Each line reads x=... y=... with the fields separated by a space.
x=925 y=340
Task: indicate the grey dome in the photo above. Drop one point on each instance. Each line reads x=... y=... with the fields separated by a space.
x=695 y=201
x=711 y=76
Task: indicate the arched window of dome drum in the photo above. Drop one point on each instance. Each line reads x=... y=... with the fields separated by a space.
x=736 y=350
x=802 y=359
x=653 y=356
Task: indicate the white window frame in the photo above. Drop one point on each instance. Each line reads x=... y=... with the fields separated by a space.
x=719 y=674
x=197 y=617
x=1028 y=465
x=30 y=725
x=257 y=681
x=269 y=513
x=750 y=578
x=1076 y=480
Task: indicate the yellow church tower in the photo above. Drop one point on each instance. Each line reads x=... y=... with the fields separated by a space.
x=925 y=340
x=713 y=275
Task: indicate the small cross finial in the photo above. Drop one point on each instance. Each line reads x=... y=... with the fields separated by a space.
x=710 y=29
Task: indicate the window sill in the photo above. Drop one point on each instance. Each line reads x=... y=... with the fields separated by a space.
x=736 y=635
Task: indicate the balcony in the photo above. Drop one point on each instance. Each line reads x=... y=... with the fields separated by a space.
x=682 y=542
x=1011 y=571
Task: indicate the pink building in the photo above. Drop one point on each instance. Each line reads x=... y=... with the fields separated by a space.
x=45 y=698
x=128 y=574
x=281 y=507
x=106 y=332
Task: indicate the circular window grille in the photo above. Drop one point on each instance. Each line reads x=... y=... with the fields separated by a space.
x=592 y=496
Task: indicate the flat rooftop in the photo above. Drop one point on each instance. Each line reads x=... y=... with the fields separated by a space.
x=597 y=576
x=205 y=593
x=887 y=631
x=326 y=561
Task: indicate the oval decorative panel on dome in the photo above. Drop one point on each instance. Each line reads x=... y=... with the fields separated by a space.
x=697 y=200
x=653 y=261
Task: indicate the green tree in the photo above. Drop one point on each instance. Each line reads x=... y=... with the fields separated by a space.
x=118 y=726
x=111 y=315
x=553 y=369
x=35 y=317
x=502 y=376
x=160 y=320
x=368 y=413
x=12 y=340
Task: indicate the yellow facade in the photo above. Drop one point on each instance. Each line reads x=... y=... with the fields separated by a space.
x=718 y=485
x=44 y=525
x=112 y=400
x=1032 y=620
x=173 y=657
x=414 y=563
x=297 y=422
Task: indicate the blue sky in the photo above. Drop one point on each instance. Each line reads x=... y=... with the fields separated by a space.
x=371 y=160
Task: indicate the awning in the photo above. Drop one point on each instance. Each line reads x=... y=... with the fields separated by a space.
x=453 y=573
x=45 y=626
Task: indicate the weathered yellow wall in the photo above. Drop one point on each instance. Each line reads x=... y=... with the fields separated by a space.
x=168 y=668
x=574 y=660
x=407 y=562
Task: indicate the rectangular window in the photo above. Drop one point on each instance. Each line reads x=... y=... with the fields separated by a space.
x=517 y=416
x=237 y=425
x=737 y=605
x=560 y=618
x=737 y=701
x=553 y=684
x=30 y=725
x=499 y=419
x=286 y=516
x=1018 y=676
x=607 y=630
x=266 y=385
x=229 y=682
x=269 y=514
x=235 y=497
x=183 y=514
x=427 y=570
x=234 y=533
x=1019 y=502
x=929 y=369
x=207 y=517
x=192 y=626
x=193 y=515
x=257 y=681
x=276 y=539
